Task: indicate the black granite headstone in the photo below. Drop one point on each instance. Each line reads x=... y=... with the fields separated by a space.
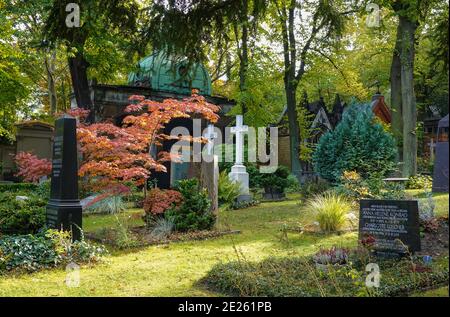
x=64 y=208
x=393 y=223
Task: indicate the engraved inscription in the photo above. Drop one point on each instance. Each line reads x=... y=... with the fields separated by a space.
x=393 y=224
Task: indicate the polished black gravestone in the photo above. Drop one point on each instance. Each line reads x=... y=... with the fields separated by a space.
x=64 y=208
x=393 y=223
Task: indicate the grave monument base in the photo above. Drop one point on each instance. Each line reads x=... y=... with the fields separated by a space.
x=239 y=174
x=65 y=215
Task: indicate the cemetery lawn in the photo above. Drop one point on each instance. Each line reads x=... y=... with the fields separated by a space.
x=174 y=269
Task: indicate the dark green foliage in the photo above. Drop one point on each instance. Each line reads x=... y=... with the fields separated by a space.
x=184 y=28
x=310 y=188
x=298 y=277
x=277 y=181
x=17 y=187
x=253 y=175
x=109 y=15
x=21 y=217
x=293 y=184
x=43 y=190
x=244 y=204
x=27 y=252
x=228 y=191
x=358 y=143
x=45 y=250
x=194 y=213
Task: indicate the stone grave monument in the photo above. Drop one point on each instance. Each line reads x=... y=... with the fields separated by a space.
x=64 y=208
x=394 y=224
x=238 y=170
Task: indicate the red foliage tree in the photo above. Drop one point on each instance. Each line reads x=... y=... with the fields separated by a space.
x=158 y=201
x=113 y=154
x=32 y=168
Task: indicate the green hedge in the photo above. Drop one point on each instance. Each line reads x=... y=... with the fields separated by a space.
x=298 y=277
x=17 y=187
x=21 y=217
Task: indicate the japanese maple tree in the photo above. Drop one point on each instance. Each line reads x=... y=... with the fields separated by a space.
x=32 y=168
x=113 y=154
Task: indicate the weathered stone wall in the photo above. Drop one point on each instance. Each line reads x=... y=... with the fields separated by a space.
x=31 y=136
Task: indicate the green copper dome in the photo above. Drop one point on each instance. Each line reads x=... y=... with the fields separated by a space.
x=160 y=72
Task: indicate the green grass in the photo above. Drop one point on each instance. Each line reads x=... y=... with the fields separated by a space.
x=297 y=276
x=439 y=292
x=441 y=200
x=94 y=222
x=173 y=270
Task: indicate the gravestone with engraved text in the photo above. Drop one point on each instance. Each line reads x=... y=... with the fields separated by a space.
x=393 y=223
x=64 y=209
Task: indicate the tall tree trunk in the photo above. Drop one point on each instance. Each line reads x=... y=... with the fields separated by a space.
x=243 y=56
x=51 y=86
x=409 y=110
x=290 y=85
x=228 y=66
x=294 y=131
x=396 y=95
x=63 y=95
x=78 y=72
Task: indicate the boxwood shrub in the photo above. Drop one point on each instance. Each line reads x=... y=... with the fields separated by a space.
x=21 y=216
x=17 y=187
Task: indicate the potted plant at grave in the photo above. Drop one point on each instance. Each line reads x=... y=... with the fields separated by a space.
x=336 y=257
x=274 y=184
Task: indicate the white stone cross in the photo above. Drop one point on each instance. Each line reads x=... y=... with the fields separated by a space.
x=239 y=130
x=210 y=135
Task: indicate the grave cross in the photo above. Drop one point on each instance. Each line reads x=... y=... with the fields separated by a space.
x=210 y=135
x=239 y=130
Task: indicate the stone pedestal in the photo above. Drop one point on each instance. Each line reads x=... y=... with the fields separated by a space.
x=238 y=171
x=239 y=174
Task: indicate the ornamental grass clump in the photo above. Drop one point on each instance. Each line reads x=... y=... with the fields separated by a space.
x=329 y=210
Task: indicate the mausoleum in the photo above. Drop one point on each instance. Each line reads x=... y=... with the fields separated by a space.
x=158 y=77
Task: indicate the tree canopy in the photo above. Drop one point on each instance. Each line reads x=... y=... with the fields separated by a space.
x=264 y=54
